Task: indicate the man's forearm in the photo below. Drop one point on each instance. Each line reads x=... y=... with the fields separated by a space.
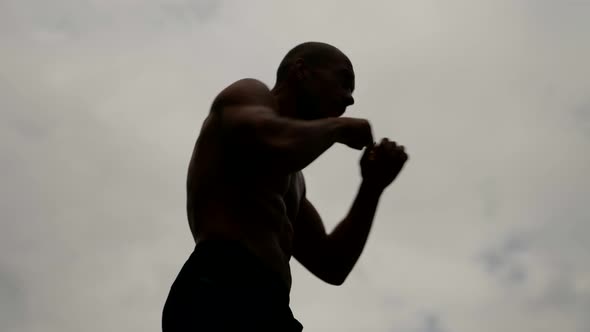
x=297 y=143
x=348 y=239
x=288 y=144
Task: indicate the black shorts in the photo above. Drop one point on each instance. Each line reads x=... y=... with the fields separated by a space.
x=224 y=287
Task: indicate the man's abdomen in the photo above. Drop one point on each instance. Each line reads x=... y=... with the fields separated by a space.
x=266 y=234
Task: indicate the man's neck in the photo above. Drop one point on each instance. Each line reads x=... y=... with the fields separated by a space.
x=286 y=101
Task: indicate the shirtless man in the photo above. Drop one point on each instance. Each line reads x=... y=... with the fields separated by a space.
x=246 y=203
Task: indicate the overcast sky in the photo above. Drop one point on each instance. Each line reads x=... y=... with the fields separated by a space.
x=485 y=230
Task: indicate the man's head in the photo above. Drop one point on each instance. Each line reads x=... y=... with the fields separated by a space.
x=321 y=77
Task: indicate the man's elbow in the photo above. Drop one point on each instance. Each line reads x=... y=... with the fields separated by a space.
x=335 y=282
x=335 y=278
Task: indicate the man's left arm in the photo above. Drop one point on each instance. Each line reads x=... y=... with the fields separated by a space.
x=331 y=257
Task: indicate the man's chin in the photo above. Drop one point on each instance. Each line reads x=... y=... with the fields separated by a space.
x=339 y=113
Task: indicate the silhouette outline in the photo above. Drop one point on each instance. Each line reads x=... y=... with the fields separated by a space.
x=246 y=196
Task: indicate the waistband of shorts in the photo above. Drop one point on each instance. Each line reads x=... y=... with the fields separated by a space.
x=233 y=263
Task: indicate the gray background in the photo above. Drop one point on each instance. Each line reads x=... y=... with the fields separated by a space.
x=485 y=230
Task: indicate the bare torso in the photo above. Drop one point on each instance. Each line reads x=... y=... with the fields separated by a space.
x=230 y=197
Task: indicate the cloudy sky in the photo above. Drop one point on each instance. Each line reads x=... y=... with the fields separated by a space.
x=485 y=230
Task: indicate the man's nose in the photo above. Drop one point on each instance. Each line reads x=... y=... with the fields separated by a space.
x=349 y=100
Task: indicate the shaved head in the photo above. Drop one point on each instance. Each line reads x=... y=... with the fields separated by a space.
x=314 y=54
x=319 y=79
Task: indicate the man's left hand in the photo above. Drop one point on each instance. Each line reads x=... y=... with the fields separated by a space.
x=381 y=163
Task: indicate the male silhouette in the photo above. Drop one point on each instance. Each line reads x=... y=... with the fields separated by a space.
x=246 y=197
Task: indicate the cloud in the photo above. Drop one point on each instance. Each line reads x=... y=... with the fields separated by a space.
x=503 y=262
x=12 y=301
x=484 y=230
x=432 y=324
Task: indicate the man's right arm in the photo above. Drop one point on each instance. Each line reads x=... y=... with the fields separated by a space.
x=250 y=123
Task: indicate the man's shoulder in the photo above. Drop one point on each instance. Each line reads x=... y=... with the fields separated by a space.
x=247 y=86
x=244 y=92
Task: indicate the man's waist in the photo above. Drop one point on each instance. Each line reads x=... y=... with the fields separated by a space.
x=237 y=263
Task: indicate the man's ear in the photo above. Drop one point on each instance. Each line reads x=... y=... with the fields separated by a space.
x=301 y=71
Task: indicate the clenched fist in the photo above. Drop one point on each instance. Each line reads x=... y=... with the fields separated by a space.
x=381 y=163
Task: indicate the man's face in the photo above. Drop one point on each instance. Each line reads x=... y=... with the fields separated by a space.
x=328 y=89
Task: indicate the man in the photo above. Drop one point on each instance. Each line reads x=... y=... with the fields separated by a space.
x=247 y=205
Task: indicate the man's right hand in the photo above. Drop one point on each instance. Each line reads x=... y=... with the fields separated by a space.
x=355 y=133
